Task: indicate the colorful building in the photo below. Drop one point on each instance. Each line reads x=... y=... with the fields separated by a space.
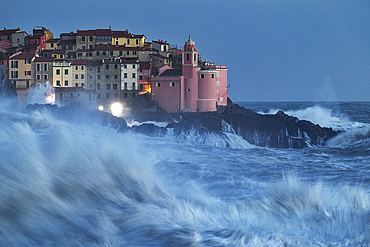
x=193 y=88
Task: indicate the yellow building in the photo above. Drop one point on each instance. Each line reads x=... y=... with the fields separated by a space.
x=51 y=44
x=62 y=74
x=128 y=39
x=79 y=68
x=20 y=73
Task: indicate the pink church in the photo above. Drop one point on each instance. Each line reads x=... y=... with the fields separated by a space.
x=194 y=88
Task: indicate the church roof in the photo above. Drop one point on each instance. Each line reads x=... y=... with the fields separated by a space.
x=171 y=73
x=189 y=42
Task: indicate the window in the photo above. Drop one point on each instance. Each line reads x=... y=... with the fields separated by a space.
x=14 y=64
x=43 y=42
x=79 y=54
x=213 y=75
x=66 y=71
x=202 y=76
x=111 y=53
x=98 y=69
x=140 y=77
x=116 y=41
x=108 y=87
x=104 y=53
x=76 y=76
x=52 y=45
x=115 y=76
x=120 y=53
x=115 y=66
x=134 y=53
x=133 y=75
x=107 y=95
x=83 y=38
x=66 y=83
x=58 y=83
x=91 y=38
x=98 y=96
x=158 y=84
x=76 y=67
x=61 y=56
x=27 y=72
x=188 y=89
x=128 y=41
x=45 y=67
x=221 y=99
x=14 y=74
x=98 y=86
x=128 y=53
x=97 y=53
x=38 y=77
x=187 y=57
x=45 y=77
x=58 y=71
x=55 y=55
x=82 y=67
x=218 y=83
x=83 y=85
x=107 y=66
x=27 y=84
x=115 y=86
x=98 y=77
x=137 y=41
x=125 y=66
x=38 y=67
x=125 y=86
x=133 y=86
x=70 y=47
x=133 y=66
x=107 y=77
x=27 y=61
x=76 y=84
x=83 y=47
x=172 y=84
x=82 y=76
x=125 y=75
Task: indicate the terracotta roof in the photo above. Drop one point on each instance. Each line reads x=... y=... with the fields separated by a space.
x=159 y=56
x=118 y=34
x=52 y=40
x=44 y=59
x=160 y=42
x=84 y=50
x=9 y=31
x=79 y=62
x=103 y=32
x=68 y=34
x=67 y=42
x=24 y=55
x=85 y=33
x=171 y=73
x=58 y=51
x=139 y=36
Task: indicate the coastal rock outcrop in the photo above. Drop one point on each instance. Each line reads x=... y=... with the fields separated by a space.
x=276 y=131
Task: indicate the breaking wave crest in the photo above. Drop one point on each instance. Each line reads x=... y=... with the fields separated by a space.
x=321 y=116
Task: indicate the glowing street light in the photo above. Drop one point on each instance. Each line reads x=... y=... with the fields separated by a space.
x=116 y=109
x=101 y=108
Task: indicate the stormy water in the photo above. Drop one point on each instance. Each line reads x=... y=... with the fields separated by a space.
x=68 y=184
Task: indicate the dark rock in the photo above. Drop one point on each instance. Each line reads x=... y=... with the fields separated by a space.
x=277 y=131
x=149 y=129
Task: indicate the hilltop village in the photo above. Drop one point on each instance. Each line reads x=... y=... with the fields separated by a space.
x=96 y=69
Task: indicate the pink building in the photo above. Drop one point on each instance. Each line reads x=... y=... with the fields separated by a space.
x=193 y=88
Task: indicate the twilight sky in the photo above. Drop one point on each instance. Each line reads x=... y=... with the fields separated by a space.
x=275 y=50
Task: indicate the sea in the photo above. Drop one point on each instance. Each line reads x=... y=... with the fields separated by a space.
x=64 y=183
